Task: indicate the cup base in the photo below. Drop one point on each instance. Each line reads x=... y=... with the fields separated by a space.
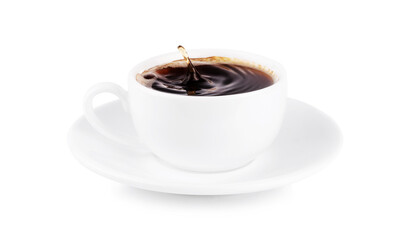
x=192 y=170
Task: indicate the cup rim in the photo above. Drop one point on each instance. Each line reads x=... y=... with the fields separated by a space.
x=281 y=73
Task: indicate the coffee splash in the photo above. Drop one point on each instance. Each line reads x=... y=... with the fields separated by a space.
x=193 y=81
x=211 y=76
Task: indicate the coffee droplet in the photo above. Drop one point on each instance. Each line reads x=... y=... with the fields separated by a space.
x=149 y=76
x=184 y=53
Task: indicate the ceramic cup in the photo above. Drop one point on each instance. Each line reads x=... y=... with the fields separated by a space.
x=199 y=133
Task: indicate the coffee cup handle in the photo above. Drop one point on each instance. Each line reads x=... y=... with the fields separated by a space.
x=94 y=120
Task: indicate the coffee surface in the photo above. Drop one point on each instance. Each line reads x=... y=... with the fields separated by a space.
x=206 y=78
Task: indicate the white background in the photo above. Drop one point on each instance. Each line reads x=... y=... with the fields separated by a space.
x=347 y=58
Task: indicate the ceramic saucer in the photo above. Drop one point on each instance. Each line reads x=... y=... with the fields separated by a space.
x=307 y=141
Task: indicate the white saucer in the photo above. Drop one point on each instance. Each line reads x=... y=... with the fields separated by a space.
x=307 y=142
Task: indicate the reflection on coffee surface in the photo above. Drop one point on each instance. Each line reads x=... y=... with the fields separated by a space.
x=211 y=76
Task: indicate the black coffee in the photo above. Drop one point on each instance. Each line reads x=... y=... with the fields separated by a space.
x=212 y=76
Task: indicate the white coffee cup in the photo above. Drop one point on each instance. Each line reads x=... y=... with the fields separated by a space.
x=199 y=133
